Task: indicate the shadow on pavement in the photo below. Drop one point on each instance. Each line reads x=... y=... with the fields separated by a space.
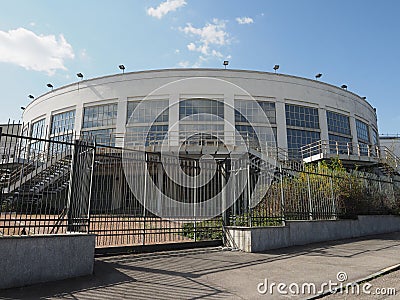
x=186 y=274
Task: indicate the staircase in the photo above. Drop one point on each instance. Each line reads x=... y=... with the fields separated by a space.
x=389 y=163
x=28 y=181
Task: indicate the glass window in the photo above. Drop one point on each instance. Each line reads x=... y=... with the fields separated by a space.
x=38 y=129
x=59 y=147
x=101 y=136
x=340 y=144
x=201 y=110
x=257 y=134
x=143 y=135
x=338 y=123
x=299 y=138
x=375 y=137
x=301 y=116
x=200 y=132
x=251 y=111
x=362 y=132
x=149 y=111
x=100 y=115
x=63 y=122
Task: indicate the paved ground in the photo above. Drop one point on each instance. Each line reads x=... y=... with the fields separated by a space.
x=214 y=274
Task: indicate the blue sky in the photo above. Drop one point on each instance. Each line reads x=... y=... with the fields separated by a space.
x=355 y=42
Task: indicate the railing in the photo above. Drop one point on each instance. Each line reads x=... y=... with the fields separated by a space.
x=389 y=135
x=339 y=148
x=202 y=138
x=43 y=185
x=321 y=149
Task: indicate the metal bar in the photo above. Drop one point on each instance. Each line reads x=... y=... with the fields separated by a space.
x=310 y=207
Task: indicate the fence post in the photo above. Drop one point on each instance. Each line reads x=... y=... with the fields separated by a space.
x=282 y=197
x=249 y=213
x=144 y=198
x=224 y=208
x=334 y=211
x=310 y=213
x=71 y=193
x=233 y=173
x=195 y=199
x=91 y=183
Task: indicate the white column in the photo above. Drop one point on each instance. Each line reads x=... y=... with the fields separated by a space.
x=173 y=120
x=281 y=124
x=121 y=121
x=323 y=124
x=78 y=117
x=353 y=129
x=229 y=116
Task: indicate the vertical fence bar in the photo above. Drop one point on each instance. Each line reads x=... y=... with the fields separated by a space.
x=334 y=211
x=145 y=198
x=91 y=185
x=70 y=187
x=195 y=165
x=310 y=206
x=224 y=208
x=249 y=212
x=282 y=196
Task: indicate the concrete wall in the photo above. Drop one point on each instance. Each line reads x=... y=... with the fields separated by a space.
x=32 y=259
x=258 y=239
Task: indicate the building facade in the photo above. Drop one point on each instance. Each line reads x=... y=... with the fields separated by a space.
x=179 y=103
x=391 y=142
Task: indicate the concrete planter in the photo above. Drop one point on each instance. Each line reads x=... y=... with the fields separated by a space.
x=40 y=258
x=257 y=239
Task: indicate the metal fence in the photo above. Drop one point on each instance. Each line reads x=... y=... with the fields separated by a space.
x=64 y=185
x=118 y=218
x=320 y=193
x=45 y=184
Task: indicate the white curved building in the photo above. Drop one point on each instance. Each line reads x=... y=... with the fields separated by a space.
x=300 y=111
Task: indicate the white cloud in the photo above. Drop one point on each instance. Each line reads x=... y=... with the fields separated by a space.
x=191 y=47
x=177 y=51
x=216 y=53
x=244 y=20
x=44 y=53
x=165 y=7
x=83 y=54
x=184 y=64
x=212 y=34
x=32 y=24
